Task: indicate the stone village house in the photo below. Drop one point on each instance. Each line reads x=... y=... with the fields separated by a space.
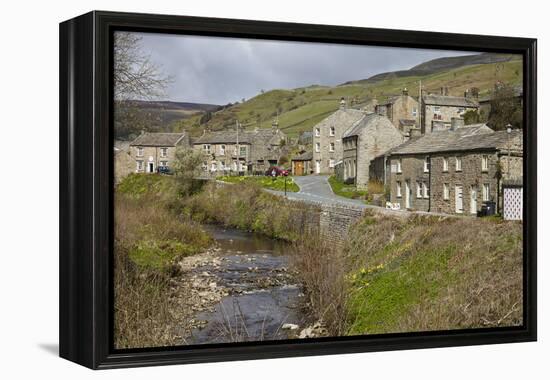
x=241 y=151
x=153 y=150
x=401 y=110
x=452 y=171
x=438 y=110
x=327 y=138
x=366 y=139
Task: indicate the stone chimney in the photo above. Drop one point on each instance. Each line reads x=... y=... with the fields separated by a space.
x=405 y=92
x=342 y=103
x=456 y=122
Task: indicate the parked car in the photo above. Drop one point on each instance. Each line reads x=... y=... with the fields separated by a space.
x=275 y=171
x=164 y=170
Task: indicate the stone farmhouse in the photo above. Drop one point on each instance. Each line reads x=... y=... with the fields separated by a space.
x=438 y=110
x=402 y=110
x=327 y=137
x=366 y=139
x=151 y=151
x=452 y=171
x=301 y=164
x=241 y=151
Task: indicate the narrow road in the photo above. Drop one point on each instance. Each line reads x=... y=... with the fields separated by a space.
x=316 y=189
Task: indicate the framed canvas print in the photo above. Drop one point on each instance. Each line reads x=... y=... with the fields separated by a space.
x=236 y=189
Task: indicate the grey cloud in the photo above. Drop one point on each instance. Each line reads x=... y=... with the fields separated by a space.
x=221 y=70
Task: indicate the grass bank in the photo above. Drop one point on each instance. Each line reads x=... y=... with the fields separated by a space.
x=246 y=206
x=272 y=183
x=149 y=240
x=429 y=273
x=347 y=191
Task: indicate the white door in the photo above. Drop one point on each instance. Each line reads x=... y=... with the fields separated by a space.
x=318 y=167
x=458 y=200
x=473 y=200
x=407 y=195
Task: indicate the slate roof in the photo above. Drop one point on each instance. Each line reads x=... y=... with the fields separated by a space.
x=364 y=122
x=157 y=139
x=471 y=137
x=306 y=156
x=455 y=101
x=227 y=137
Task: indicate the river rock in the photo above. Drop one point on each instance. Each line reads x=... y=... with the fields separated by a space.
x=290 y=326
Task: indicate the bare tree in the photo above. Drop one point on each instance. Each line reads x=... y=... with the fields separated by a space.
x=136 y=77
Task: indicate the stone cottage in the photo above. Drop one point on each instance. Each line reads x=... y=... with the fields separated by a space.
x=402 y=110
x=153 y=150
x=454 y=171
x=366 y=139
x=301 y=164
x=327 y=138
x=241 y=151
x=439 y=110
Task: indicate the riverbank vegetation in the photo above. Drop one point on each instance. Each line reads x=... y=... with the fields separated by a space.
x=246 y=206
x=149 y=240
x=271 y=183
x=344 y=190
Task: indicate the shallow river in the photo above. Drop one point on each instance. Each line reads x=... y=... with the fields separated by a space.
x=263 y=296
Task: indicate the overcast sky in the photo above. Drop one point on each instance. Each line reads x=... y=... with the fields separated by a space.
x=222 y=70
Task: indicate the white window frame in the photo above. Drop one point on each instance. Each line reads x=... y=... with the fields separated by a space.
x=398 y=192
x=445 y=164
x=446 y=192
x=206 y=148
x=426 y=165
x=331 y=147
x=486 y=191
x=331 y=163
x=213 y=166
x=484 y=163
x=242 y=150
x=317 y=147
x=164 y=164
x=163 y=152
x=139 y=165
x=425 y=190
x=458 y=164
x=222 y=150
x=139 y=151
x=414 y=111
x=332 y=131
x=418 y=189
x=317 y=132
x=437 y=110
x=398 y=166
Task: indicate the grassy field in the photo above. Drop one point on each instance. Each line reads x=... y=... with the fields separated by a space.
x=272 y=183
x=348 y=191
x=299 y=109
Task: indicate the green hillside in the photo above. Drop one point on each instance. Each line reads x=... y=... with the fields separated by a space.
x=299 y=109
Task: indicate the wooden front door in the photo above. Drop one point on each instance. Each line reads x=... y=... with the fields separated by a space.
x=298 y=167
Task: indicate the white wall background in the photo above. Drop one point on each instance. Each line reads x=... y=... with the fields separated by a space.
x=29 y=187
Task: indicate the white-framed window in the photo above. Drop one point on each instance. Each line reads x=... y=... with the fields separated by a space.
x=213 y=166
x=437 y=112
x=242 y=151
x=461 y=110
x=206 y=148
x=414 y=112
x=205 y=166
x=398 y=165
x=222 y=165
x=486 y=192
x=139 y=166
x=458 y=161
x=426 y=164
x=222 y=150
x=331 y=163
x=331 y=147
x=332 y=131
x=425 y=190
x=484 y=163
x=163 y=152
x=317 y=147
x=317 y=132
x=164 y=163
x=398 y=192
x=446 y=194
x=445 y=164
x=419 y=189
x=140 y=151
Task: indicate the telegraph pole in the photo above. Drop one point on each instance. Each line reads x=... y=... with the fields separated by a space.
x=420 y=105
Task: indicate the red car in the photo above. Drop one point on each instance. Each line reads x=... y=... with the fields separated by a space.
x=275 y=171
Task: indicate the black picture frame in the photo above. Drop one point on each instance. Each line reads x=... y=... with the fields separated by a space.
x=86 y=182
